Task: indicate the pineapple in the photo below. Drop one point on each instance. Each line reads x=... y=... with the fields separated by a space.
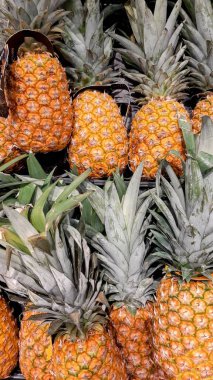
x=8 y=340
x=128 y=272
x=36 y=88
x=25 y=230
x=159 y=71
x=183 y=315
x=7 y=149
x=199 y=40
x=35 y=349
x=99 y=138
x=64 y=288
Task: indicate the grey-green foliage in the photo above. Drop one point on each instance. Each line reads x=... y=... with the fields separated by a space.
x=87 y=47
x=154 y=52
x=123 y=251
x=64 y=285
x=189 y=6
x=198 y=37
x=184 y=217
x=40 y=15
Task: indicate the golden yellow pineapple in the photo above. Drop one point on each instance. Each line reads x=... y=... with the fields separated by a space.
x=130 y=286
x=7 y=148
x=8 y=340
x=183 y=328
x=94 y=357
x=183 y=315
x=155 y=131
x=198 y=36
x=39 y=102
x=85 y=348
x=35 y=341
x=133 y=333
x=203 y=108
x=99 y=138
x=35 y=349
x=37 y=93
x=65 y=291
x=159 y=72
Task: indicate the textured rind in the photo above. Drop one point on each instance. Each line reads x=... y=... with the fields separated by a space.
x=203 y=108
x=95 y=358
x=99 y=139
x=8 y=340
x=183 y=329
x=7 y=149
x=155 y=131
x=35 y=349
x=133 y=335
x=40 y=110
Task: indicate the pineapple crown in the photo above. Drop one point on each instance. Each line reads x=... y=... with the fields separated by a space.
x=63 y=286
x=122 y=250
x=184 y=217
x=154 y=54
x=37 y=187
x=37 y=203
x=46 y=260
x=39 y=15
x=87 y=47
x=198 y=36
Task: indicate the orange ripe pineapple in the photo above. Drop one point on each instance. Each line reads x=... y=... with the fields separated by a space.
x=130 y=286
x=133 y=335
x=183 y=328
x=203 y=108
x=99 y=138
x=40 y=108
x=65 y=290
x=98 y=357
x=8 y=340
x=198 y=38
x=37 y=93
x=183 y=315
x=85 y=349
x=35 y=349
x=7 y=149
x=155 y=131
x=160 y=74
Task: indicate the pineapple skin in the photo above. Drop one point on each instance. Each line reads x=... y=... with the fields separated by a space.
x=96 y=357
x=99 y=139
x=133 y=335
x=203 y=108
x=7 y=149
x=40 y=110
x=155 y=131
x=183 y=329
x=8 y=340
x=35 y=349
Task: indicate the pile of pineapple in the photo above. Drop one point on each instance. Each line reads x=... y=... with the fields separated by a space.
x=168 y=53
x=113 y=283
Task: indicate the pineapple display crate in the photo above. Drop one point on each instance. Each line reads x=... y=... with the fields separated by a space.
x=145 y=185
x=16 y=376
